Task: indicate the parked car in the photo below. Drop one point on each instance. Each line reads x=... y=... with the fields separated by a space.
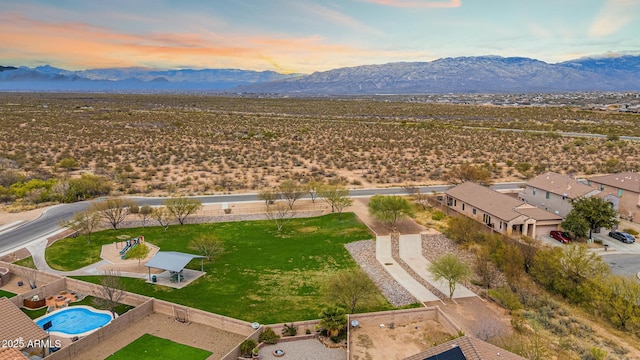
x=622 y=236
x=561 y=236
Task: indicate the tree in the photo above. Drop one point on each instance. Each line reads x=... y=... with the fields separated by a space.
x=110 y=291
x=575 y=223
x=333 y=194
x=140 y=252
x=352 y=289
x=418 y=196
x=467 y=172
x=279 y=213
x=341 y=203
x=29 y=273
x=162 y=216
x=207 y=245
x=145 y=213
x=313 y=187
x=291 y=191
x=450 y=268
x=114 y=211
x=334 y=319
x=268 y=196
x=618 y=298
x=462 y=230
x=569 y=271
x=389 y=209
x=595 y=211
x=181 y=207
x=84 y=222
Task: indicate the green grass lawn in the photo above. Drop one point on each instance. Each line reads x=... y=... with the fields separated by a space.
x=8 y=294
x=34 y=314
x=264 y=276
x=149 y=347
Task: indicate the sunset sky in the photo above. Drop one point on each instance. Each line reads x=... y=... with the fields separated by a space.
x=307 y=35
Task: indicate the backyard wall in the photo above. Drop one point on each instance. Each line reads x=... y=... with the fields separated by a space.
x=119 y=324
x=235 y=352
x=418 y=314
x=94 y=289
x=202 y=317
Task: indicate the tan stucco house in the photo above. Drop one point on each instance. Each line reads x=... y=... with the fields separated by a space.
x=503 y=213
x=553 y=192
x=622 y=190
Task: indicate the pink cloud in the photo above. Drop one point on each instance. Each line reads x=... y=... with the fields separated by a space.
x=418 y=3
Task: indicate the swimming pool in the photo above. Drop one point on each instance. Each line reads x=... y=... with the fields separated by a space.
x=75 y=320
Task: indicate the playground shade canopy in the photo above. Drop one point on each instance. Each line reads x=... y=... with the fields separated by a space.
x=171 y=260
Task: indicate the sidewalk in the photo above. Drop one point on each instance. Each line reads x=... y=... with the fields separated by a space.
x=38 y=248
x=411 y=253
x=384 y=256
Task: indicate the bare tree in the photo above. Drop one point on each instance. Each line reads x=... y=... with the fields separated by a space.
x=207 y=245
x=145 y=213
x=268 y=196
x=181 y=207
x=114 y=211
x=279 y=213
x=162 y=216
x=418 y=196
x=84 y=222
x=29 y=273
x=313 y=188
x=110 y=292
x=291 y=191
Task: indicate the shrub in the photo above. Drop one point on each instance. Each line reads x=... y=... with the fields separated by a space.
x=269 y=336
x=289 y=330
x=438 y=215
x=506 y=298
x=246 y=347
x=631 y=231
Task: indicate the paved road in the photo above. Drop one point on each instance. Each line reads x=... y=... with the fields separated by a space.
x=18 y=237
x=622 y=264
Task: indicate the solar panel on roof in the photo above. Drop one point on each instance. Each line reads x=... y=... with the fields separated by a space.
x=452 y=354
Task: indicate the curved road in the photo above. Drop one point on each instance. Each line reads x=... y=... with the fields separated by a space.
x=48 y=223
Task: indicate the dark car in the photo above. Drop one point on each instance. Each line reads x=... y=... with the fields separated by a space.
x=622 y=236
x=561 y=236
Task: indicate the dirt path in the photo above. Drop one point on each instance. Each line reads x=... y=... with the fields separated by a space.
x=361 y=209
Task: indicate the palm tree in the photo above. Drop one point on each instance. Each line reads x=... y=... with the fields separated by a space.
x=334 y=319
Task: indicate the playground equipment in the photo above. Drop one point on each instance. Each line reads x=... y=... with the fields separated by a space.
x=130 y=244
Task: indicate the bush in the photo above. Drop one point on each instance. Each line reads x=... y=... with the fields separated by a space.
x=438 y=215
x=631 y=231
x=289 y=330
x=269 y=336
x=246 y=347
x=506 y=298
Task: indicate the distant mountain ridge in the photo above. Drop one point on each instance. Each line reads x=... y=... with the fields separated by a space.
x=473 y=74
x=478 y=74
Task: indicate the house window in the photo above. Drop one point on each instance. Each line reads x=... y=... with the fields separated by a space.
x=548 y=195
x=462 y=206
x=500 y=224
x=619 y=192
x=589 y=182
x=564 y=196
x=455 y=202
x=486 y=219
x=534 y=191
x=601 y=187
x=474 y=211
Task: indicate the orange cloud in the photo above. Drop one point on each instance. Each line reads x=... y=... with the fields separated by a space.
x=418 y=3
x=76 y=45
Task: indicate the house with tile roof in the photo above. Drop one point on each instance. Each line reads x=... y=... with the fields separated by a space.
x=622 y=190
x=465 y=348
x=16 y=325
x=553 y=192
x=502 y=213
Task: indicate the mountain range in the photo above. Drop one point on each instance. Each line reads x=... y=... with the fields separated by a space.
x=477 y=74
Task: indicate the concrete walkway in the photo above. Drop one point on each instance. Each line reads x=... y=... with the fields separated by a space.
x=37 y=250
x=411 y=253
x=385 y=257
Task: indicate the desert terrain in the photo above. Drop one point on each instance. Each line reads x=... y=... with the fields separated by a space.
x=175 y=144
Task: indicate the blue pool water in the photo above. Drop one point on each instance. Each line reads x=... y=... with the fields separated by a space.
x=75 y=320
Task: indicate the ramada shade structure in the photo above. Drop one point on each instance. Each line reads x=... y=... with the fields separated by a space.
x=172 y=261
